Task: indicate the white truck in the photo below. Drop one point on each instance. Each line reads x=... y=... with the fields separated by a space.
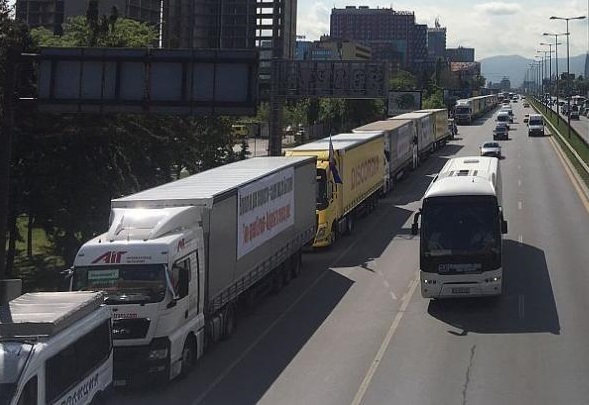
x=55 y=348
x=425 y=124
x=179 y=259
x=400 y=148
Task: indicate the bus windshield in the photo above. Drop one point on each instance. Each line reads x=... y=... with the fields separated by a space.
x=462 y=229
x=462 y=110
x=124 y=284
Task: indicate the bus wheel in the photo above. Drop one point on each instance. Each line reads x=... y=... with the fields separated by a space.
x=188 y=356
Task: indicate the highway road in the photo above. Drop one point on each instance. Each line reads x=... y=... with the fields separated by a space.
x=353 y=328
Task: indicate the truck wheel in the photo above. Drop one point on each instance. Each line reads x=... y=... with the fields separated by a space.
x=349 y=224
x=296 y=266
x=333 y=236
x=188 y=356
x=228 y=322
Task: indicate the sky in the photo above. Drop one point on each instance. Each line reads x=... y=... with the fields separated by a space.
x=493 y=28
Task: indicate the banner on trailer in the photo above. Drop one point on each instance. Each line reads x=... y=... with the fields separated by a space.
x=264 y=209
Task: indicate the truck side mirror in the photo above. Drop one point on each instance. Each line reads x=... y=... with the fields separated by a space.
x=503 y=226
x=415 y=225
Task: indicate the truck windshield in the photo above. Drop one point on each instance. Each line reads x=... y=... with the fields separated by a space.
x=321 y=190
x=123 y=284
x=461 y=229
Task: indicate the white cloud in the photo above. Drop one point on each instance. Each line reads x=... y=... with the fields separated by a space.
x=313 y=21
x=498 y=8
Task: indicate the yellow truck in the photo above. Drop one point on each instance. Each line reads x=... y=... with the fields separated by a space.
x=360 y=164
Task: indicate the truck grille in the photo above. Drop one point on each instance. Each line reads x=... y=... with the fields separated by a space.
x=130 y=328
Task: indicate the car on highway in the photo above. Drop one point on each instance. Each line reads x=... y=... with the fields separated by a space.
x=509 y=111
x=526 y=118
x=536 y=125
x=503 y=116
x=491 y=149
x=501 y=131
x=574 y=112
x=526 y=104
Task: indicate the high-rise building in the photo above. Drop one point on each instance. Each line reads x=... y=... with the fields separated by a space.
x=392 y=35
x=460 y=54
x=436 y=42
x=209 y=24
x=51 y=14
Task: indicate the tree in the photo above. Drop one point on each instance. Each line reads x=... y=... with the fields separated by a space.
x=402 y=81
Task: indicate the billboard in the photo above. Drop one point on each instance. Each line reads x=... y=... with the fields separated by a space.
x=401 y=102
x=341 y=79
x=173 y=81
x=264 y=209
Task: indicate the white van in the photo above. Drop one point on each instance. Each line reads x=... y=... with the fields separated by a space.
x=55 y=348
x=503 y=116
x=536 y=125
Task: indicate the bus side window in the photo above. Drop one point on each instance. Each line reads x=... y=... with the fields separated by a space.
x=28 y=396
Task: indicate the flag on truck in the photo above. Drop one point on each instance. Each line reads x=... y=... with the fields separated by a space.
x=332 y=165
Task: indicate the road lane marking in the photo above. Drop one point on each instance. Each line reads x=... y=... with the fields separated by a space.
x=387 y=285
x=394 y=296
x=256 y=342
x=519 y=205
x=569 y=172
x=519 y=183
x=387 y=340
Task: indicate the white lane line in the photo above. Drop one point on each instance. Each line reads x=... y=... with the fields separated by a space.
x=387 y=340
x=393 y=296
x=519 y=183
x=387 y=285
x=521 y=306
x=519 y=205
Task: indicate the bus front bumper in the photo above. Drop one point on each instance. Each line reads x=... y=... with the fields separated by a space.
x=480 y=285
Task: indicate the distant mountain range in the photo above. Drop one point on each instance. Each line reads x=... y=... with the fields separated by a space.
x=514 y=67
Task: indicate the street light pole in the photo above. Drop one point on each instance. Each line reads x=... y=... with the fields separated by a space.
x=556 y=43
x=568 y=93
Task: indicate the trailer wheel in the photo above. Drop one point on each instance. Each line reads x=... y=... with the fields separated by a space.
x=349 y=224
x=228 y=322
x=296 y=265
x=188 y=356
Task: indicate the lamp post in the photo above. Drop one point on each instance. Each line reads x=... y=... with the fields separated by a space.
x=568 y=93
x=551 y=87
x=556 y=43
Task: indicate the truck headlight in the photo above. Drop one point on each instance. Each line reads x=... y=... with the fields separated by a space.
x=158 y=354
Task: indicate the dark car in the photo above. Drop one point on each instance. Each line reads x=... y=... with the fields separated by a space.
x=574 y=112
x=501 y=131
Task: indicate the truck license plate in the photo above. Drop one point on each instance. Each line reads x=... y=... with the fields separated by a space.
x=460 y=290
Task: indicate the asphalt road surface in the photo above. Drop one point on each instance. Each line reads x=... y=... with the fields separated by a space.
x=353 y=328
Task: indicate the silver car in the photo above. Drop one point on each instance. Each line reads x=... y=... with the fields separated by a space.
x=491 y=149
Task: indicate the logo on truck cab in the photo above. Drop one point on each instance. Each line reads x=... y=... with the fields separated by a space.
x=109 y=257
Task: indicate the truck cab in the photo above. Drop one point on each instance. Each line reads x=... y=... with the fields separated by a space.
x=154 y=288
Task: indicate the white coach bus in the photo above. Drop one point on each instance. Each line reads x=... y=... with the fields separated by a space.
x=462 y=229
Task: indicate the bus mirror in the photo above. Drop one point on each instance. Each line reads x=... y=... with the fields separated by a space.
x=503 y=226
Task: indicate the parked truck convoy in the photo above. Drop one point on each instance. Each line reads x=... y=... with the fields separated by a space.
x=467 y=110
x=55 y=348
x=400 y=149
x=178 y=260
x=425 y=124
x=358 y=159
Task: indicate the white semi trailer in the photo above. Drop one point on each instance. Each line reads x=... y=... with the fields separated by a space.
x=178 y=259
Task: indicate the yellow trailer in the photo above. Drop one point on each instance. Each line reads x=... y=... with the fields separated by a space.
x=360 y=164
